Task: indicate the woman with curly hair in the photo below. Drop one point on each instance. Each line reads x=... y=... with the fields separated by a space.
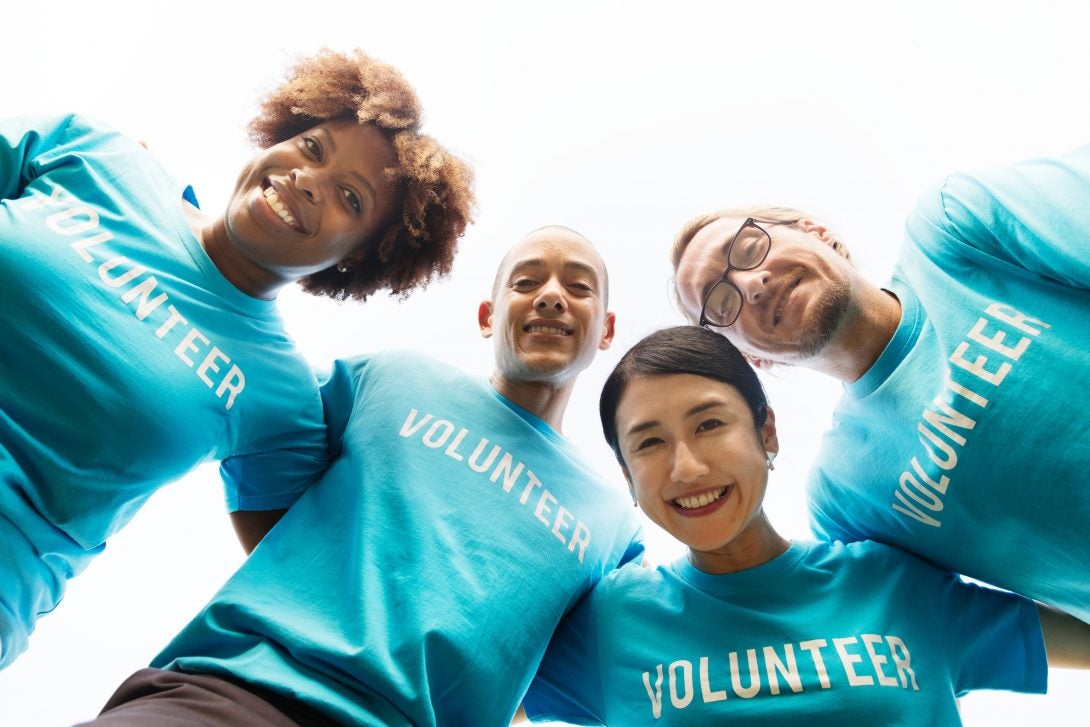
x=140 y=336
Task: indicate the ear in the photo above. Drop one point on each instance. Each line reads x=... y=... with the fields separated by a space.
x=628 y=479
x=815 y=228
x=484 y=318
x=758 y=363
x=607 y=331
x=769 y=438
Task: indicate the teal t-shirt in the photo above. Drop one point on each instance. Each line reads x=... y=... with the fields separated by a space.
x=418 y=582
x=968 y=440
x=126 y=359
x=824 y=634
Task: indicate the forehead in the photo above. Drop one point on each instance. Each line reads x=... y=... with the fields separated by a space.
x=671 y=398
x=556 y=249
x=704 y=260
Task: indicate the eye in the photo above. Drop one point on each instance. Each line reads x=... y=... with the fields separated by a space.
x=708 y=425
x=352 y=199
x=523 y=284
x=646 y=443
x=313 y=147
x=582 y=287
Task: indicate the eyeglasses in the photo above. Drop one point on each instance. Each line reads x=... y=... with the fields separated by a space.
x=746 y=250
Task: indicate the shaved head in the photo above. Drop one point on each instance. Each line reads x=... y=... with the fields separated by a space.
x=542 y=235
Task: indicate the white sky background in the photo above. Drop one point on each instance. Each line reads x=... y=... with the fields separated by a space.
x=621 y=120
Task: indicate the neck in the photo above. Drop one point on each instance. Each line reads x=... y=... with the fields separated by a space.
x=756 y=545
x=545 y=400
x=865 y=333
x=239 y=271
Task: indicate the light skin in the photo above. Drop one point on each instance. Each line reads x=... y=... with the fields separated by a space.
x=301 y=206
x=548 y=319
x=804 y=305
x=684 y=436
x=697 y=465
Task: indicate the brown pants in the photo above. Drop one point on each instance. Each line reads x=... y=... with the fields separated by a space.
x=158 y=698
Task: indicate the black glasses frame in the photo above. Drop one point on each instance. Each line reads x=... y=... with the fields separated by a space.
x=723 y=280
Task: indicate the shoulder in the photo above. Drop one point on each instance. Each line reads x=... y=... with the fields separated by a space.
x=632 y=583
x=874 y=562
x=404 y=363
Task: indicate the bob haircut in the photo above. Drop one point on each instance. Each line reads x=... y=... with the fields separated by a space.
x=434 y=188
x=680 y=350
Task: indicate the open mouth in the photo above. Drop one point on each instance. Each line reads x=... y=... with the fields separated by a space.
x=549 y=329
x=699 y=500
x=281 y=209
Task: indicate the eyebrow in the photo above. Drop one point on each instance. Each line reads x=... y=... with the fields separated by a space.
x=569 y=265
x=644 y=426
x=331 y=142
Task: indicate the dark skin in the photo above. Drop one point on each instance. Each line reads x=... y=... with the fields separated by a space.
x=253 y=525
x=330 y=184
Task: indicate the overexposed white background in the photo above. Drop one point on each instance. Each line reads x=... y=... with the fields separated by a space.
x=620 y=119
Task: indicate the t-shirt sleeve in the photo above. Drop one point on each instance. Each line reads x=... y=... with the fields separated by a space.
x=827 y=521
x=275 y=477
x=1033 y=215
x=281 y=466
x=26 y=144
x=994 y=637
x=568 y=686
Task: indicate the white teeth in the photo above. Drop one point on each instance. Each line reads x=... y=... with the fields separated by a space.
x=695 y=501
x=547 y=329
x=278 y=206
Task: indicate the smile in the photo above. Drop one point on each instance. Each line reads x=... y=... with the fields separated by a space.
x=703 y=499
x=281 y=209
x=777 y=314
x=552 y=330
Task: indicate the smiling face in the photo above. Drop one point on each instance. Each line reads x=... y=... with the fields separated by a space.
x=794 y=302
x=548 y=310
x=312 y=201
x=696 y=462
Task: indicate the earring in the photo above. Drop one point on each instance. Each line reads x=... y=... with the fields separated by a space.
x=771 y=457
x=343 y=267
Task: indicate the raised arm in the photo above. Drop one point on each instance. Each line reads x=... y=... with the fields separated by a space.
x=253 y=525
x=1067 y=639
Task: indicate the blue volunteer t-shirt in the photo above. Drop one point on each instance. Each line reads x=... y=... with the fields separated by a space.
x=968 y=440
x=126 y=359
x=420 y=580
x=824 y=634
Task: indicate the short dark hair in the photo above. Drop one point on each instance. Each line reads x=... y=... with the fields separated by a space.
x=681 y=350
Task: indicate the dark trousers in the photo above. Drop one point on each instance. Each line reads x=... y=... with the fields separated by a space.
x=158 y=698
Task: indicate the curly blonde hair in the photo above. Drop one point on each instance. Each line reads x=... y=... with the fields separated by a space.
x=435 y=188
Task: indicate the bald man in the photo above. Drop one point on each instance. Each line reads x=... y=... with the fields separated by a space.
x=419 y=581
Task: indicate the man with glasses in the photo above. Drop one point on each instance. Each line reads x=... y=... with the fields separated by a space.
x=963 y=432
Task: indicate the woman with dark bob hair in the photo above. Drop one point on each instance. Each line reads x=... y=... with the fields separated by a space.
x=140 y=336
x=750 y=628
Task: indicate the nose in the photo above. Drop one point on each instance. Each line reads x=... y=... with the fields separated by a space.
x=753 y=284
x=687 y=465
x=551 y=296
x=305 y=182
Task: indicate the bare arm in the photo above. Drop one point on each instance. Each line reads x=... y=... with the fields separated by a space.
x=252 y=525
x=1067 y=639
x=520 y=716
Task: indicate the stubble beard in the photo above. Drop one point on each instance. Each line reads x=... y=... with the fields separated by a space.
x=831 y=311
